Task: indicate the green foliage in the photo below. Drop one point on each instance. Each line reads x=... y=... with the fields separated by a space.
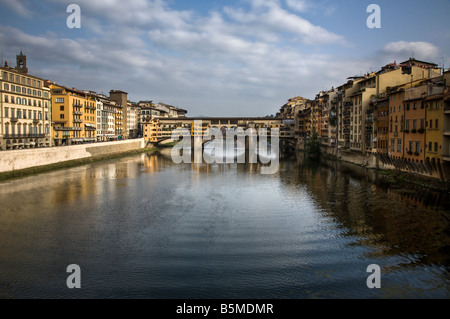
x=313 y=146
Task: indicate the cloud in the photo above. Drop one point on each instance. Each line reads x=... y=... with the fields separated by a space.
x=298 y=5
x=229 y=62
x=19 y=7
x=404 y=50
x=268 y=16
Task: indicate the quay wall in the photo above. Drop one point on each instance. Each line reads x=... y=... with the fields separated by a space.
x=440 y=171
x=22 y=159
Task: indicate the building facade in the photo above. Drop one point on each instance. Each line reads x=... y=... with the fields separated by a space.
x=74 y=116
x=25 y=106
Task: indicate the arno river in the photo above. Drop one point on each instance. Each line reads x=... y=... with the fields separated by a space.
x=144 y=227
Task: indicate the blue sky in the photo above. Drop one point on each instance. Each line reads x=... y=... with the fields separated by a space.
x=219 y=58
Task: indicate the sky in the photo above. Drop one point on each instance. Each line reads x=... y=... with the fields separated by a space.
x=219 y=58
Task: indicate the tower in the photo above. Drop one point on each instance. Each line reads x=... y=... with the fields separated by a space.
x=22 y=63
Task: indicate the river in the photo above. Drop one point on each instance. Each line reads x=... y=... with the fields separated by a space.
x=145 y=227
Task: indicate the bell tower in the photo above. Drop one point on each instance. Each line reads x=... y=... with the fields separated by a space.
x=22 y=63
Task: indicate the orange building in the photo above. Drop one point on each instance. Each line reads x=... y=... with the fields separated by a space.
x=415 y=115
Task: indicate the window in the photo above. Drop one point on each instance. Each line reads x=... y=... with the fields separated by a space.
x=6 y=112
x=60 y=100
x=415 y=106
x=6 y=86
x=392 y=145
x=24 y=101
x=414 y=124
x=431 y=123
x=430 y=146
x=61 y=116
x=417 y=147
x=407 y=106
x=6 y=99
x=399 y=145
x=12 y=99
x=436 y=147
x=437 y=123
x=422 y=124
x=61 y=108
x=28 y=82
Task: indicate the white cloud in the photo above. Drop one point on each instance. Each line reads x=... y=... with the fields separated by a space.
x=298 y=5
x=229 y=62
x=269 y=17
x=404 y=49
x=19 y=7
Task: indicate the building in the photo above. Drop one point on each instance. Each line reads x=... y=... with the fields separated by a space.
x=380 y=110
x=121 y=123
x=25 y=106
x=132 y=119
x=106 y=113
x=74 y=115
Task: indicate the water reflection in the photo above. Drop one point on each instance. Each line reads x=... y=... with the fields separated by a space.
x=162 y=230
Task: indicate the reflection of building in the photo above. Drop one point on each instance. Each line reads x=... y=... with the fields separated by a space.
x=25 y=107
x=74 y=115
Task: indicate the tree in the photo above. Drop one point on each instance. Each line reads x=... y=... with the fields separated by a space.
x=313 y=146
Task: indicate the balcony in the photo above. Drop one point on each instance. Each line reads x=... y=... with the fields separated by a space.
x=36 y=121
x=14 y=119
x=77 y=113
x=77 y=121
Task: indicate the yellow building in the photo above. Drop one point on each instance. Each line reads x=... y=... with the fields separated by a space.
x=434 y=105
x=25 y=108
x=73 y=116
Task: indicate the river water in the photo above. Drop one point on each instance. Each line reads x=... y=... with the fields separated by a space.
x=144 y=227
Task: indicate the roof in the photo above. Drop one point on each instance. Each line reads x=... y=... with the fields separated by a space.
x=416 y=62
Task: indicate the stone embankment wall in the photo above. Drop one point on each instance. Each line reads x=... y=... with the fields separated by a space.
x=439 y=171
x=21 y=159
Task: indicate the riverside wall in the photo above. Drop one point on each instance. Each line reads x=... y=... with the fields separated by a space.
x=22 y=159
x=440 y=171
